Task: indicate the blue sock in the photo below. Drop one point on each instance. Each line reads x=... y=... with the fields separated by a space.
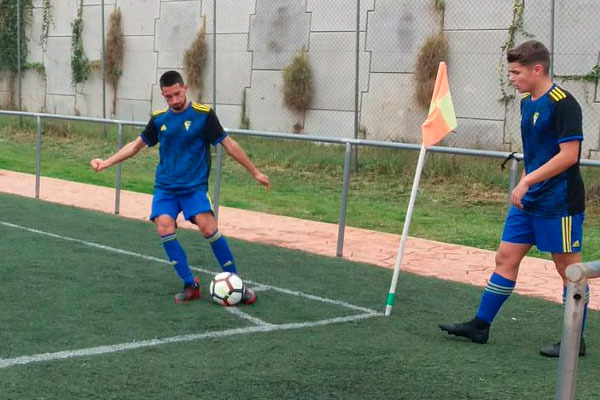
x=585 y=305
x=222 y=253
x=177 y=257
x=495 y=294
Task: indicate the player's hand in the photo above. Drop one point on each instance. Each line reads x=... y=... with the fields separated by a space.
x=98 y=164
x=263 y=180
x=518 y=193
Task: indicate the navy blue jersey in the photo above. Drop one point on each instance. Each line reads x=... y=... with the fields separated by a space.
x=185 y=140
x=546 y=122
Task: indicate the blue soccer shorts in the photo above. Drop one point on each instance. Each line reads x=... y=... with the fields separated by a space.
x=172 y=204
x=548 y=234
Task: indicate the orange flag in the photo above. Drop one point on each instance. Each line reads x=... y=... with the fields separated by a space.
x=441 y=119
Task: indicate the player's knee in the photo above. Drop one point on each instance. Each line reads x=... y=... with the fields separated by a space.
x=164 y=227
x=164 y=230
x=506 y=261
x=206 y=223
x=207 y=230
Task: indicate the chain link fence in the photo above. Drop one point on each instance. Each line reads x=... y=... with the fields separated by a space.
x=345 y=68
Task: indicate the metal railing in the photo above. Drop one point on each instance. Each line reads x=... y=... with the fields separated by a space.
x=350 y=145
x=577 y=276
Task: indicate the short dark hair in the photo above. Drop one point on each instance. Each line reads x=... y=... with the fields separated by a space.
x=171 y=78
x=529 y=53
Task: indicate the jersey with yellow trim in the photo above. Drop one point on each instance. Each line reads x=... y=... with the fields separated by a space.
x=546 y=122
x=185 y=138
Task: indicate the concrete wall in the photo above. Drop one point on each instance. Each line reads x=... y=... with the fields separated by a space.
x=256 y=39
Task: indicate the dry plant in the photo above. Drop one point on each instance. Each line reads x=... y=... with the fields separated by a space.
x=194 y=60
x=434 y=50
x=113 y=57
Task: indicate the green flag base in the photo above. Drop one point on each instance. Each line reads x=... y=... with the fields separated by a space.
x=391 y=297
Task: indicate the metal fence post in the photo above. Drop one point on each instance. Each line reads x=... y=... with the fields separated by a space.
x=218 y=175
x=38 y=155
x=214 y=54
x=569 y=343
x=357 y=83
x=103 y=64
x=118 y=173
x=512 y=182
x=551 y=44
x=344 y=200
x=577 y=276
x=19 y=27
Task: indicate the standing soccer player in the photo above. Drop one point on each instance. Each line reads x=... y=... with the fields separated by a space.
x=548 y=203
x=185 y=131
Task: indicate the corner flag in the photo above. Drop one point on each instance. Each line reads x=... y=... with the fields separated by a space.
x=440 y=121
x=441 y=118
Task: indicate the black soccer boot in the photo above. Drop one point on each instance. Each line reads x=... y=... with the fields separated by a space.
x=554 y=350
x=476 y=330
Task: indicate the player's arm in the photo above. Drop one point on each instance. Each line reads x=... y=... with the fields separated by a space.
x=236 y=152
x=148 y=137
x=215 y=134
x=127 y=151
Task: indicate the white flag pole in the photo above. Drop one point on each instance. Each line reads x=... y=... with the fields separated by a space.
x=411 y=203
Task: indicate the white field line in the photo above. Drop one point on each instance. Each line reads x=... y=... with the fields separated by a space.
x=92 y=351
x=163 y=261
x=243 y=315
x=313 y=297
x=260 y=288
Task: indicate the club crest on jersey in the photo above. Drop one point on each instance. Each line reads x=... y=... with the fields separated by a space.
x=163 y=128
x=187 y=124
x=535 y=117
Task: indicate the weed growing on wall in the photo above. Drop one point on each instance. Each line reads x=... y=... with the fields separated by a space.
x=80 y=68
x=297 y=85
x=194 y=60
x=46 y=21
x=113 y=57
x=10 y=19
x=434 y=50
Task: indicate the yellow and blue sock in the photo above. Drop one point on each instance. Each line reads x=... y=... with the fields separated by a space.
x=178 y=258
x=495 y=294
x=222 y=252
x=585 y=304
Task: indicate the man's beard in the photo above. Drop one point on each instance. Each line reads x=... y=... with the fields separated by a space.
x=179 y=106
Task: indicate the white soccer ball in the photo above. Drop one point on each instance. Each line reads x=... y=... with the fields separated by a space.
x=226 y=289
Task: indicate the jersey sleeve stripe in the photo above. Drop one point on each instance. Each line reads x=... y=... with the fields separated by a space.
x=559 y=90
x=219 y=140
x=200 y=107
x=570 y=138
x=158 y=112
x=558 y=94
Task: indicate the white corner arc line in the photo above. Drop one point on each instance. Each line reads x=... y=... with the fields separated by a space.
x=92 y=351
